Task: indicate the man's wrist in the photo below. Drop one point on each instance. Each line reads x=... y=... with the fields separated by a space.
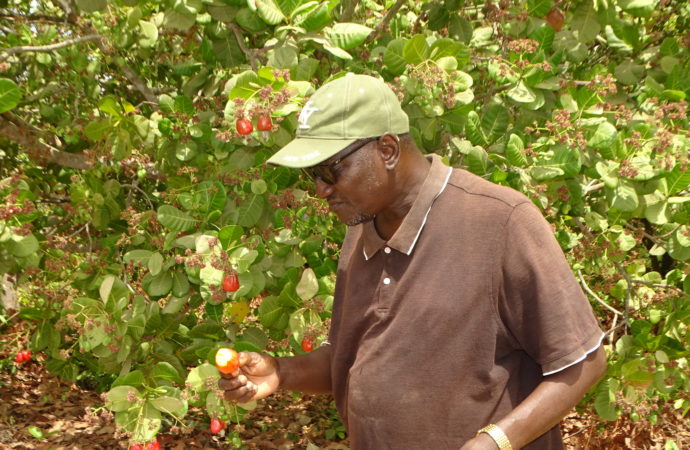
x=497 y=434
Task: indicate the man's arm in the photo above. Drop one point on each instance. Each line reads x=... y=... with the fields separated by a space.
x=310 y=373
x=260 y=375
x=546 y=406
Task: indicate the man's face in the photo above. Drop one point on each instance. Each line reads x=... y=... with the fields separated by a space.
x=358 y=192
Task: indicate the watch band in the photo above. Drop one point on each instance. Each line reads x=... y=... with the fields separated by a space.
x=497 y=435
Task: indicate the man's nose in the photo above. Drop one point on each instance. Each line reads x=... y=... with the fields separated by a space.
x=323 y=189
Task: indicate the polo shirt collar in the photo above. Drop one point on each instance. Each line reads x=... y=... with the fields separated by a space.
x=411 y=227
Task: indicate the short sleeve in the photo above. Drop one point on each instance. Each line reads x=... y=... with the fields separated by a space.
x=540 y=301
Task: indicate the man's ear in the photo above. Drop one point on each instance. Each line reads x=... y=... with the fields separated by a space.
x=389 y=149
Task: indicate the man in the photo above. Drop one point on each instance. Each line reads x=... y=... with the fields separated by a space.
x=457 y=322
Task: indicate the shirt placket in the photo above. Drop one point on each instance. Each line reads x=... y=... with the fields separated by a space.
x=386 y=281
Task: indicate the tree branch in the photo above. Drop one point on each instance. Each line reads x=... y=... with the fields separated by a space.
x=384 y=23
x=240 y=41
x=38 y=150
x=349 y=11
x=48 y=48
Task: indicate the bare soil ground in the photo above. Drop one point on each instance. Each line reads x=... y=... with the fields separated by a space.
x=29 y=396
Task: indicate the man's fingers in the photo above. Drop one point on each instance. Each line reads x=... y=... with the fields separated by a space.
x=242 y=394
x=228 y=384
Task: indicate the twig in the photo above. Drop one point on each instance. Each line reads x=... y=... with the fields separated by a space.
x=78 y=231
x=349 y=11
x=628 y=291
x=240 y=41
x=148 y=200
x=613 y=329
x=591 y=187
x=663 y=286
x=384 y=23
x=595 y=296
x=48 y=48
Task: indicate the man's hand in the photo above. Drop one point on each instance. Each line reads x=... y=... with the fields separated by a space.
x=256 y=378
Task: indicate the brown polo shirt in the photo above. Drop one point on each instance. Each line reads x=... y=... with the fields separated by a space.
x=447 y=326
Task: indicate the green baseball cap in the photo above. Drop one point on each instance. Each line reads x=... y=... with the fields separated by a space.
x=339 y=113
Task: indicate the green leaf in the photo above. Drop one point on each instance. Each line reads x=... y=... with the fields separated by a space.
x=174 y=219
x=416 y=50
x=178 y=21
x=624 y=197
x=478 y=161
x=315 y=19
x=604 y=401
x=249 y=20
x=183 y=104
x=155 y=263
x=539 y=8
x=169 y=405
x=393 y=57
x=23 y=246
x=110 y=106
x=541 y=173
x=628 y=72
x=228 y=51
x=10 y=95
x=442 y=48
x=270 y=311
x=180 y=288
x=460 y=29
x=250 y=210
x=568 y=159
x=348 y=35
x=149 y=33
x=585 y=22
x=473 y=130
x=138 y=256
x=495 y=121
x=604 y=136
x=121 y=398
x=245 y=84
x=521 y=93
x=230 y=234
x=147 y=424
x=160 y=284
x=91 y=5
x=639 y=8
x=210 y=196
x=269 y=12
x=253 y=339
x=438 y=16
x=677 y=180
x=35 y=432
x=515 y=151
x=308 y=285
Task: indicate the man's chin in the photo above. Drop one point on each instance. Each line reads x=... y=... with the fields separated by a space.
x=357 y=219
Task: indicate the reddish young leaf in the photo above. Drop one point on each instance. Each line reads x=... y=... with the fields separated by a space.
x=555 y=18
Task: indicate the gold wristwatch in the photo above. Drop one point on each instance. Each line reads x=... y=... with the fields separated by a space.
x=497 y=435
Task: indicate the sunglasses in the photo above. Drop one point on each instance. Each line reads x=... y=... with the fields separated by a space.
x=325 y=172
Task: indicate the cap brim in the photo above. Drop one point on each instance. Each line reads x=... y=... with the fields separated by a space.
x=307 y=152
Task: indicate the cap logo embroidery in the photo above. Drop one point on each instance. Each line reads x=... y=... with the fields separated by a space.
x=306 y=113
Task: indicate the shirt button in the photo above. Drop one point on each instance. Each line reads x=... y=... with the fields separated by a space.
x=387 y=249
x=386 y=280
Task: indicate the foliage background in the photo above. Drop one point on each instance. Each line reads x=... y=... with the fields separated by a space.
x=128 y=194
